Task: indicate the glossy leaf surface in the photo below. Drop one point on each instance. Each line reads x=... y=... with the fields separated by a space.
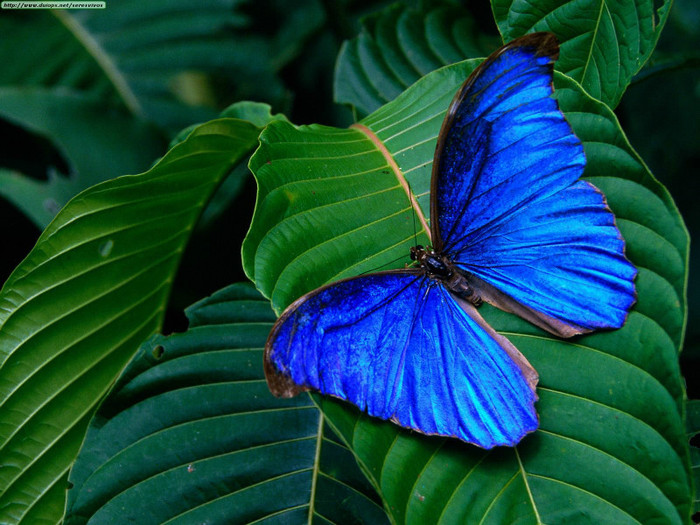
x=77 y=308
x=192 y=413
x=603 y=43
x=612 y=441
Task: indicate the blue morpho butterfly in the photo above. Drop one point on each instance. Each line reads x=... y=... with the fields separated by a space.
x=512 y=225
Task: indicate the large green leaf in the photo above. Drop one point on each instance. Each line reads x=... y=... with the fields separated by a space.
x=152 y=57
x=611 y=447
x=69 y=120
x=397 y=46
x=77 y=308
x=603 y=43
x=192 y=413
x=257 y=114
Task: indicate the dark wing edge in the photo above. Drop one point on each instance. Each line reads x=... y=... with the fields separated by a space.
x=544 y=44
x=281 y=385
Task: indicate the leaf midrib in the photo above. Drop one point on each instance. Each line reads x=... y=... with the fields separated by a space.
x=316 y=468
x=391 y=162
x=103 y=59
x=594 y=35
x=527 y=486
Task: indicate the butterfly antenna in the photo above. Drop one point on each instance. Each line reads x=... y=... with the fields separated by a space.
x=415 y=230
x=413 y=214
x=415 y=241
x=389 y=263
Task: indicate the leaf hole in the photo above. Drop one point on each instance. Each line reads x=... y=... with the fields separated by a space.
x=158 y=351
x=30 y=153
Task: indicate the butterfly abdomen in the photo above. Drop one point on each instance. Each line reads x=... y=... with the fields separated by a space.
x=459 y=285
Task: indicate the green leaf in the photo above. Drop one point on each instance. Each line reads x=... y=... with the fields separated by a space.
x=155 y=58
x=192 y=413
x=259 y=115
x=603 y=43
x=76 y=309
x=68 y=119
x=612 y=442
x=399 y=45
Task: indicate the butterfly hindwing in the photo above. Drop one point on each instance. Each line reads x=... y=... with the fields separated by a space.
x=510 y=208
x=564 y=257
x=398 y=345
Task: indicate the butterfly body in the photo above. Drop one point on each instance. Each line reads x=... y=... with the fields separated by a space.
x=512 y=225
x=440 y=267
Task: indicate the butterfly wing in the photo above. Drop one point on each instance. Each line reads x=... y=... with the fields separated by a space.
x=563 y=258
x=398 y=345
x=508 y=206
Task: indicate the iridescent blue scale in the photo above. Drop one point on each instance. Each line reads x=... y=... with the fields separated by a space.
x=511 y=224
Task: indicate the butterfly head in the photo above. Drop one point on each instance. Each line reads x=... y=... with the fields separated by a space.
x=435 y=264
x=441 y=268
x=416 y=252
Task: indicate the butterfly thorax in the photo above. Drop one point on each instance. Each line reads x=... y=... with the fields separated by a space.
x=440 y=267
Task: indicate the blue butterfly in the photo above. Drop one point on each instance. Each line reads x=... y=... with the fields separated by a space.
x=511 y=224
